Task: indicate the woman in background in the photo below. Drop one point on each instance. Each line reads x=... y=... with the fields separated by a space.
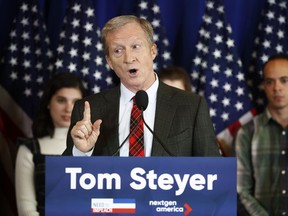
x=50 y=129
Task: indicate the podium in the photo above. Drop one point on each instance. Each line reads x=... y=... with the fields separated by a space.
x=140 y=186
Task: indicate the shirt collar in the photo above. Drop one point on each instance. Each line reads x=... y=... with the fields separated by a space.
x=126 y=94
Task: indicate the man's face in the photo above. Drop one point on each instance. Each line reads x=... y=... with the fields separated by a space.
x=276 y=83
x=131 y=56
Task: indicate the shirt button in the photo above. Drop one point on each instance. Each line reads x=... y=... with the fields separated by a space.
x=283 y=132
x=283 y=152
x=283 y=213
x=283 y=191
x=283 y=172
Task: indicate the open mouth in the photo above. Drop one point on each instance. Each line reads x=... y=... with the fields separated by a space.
x=132 y=71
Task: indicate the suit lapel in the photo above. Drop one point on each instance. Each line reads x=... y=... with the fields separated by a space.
x=112 y=110
x=165 y=109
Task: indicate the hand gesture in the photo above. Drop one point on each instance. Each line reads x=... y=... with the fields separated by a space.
x=84 y=133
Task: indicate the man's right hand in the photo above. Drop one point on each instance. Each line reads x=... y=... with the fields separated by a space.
x=84 y=133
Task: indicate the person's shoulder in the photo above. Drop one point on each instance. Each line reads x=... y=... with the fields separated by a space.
x=177 y=93
x=31 y=143
x=105 y=95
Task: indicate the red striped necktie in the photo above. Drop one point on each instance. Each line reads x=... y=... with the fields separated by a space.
x=136 y=140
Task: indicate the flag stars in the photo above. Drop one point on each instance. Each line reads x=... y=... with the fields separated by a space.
x=218 y=39
x=143 y=5
x=13 y=61
x=225 y=116
x=24 y=22
x=27 y=92
x=13 y=48
x=266 y=44
x=39 y=66
x=12 y=34
x=99 y=46
x=227 y=87
x=194 y=75
x=166 y=55
x=217 y=53
x=27 y=78
x=24 y=7
x=214 y=83
x=239 y=106
x=88 y=27
x=229 y=58
x=240 y=91
x=230 y=43
x=73 y=52
x=75 y=23
x=210 y=5
x=281 y=19
x=215 y=68
x=39 y=80
x=156 y=23
x=97 y=75
x=13 y=75
x=72 y=67
x=74 y=38
x=98 y=60
x=279 y=48
x=87 y=41
x=240 y=76
x=280 y=34
x=226 y=102
x=86 y=56
x=207 y=19
x=60 y=49
x=26 y=64
x=76 y=8
x=270 y=15
x=59 y=63
x=213 y=98
x=212 y=112
x=96 y=89
x=85 y=71
x=25 y=36
x=90 y=12
x=109 y=80
x=219 y=24
x=199 y=46
x=220 y=9
x=156 y=9
x=268 y=29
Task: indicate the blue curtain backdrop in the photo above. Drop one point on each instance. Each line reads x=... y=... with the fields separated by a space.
x=181 y=18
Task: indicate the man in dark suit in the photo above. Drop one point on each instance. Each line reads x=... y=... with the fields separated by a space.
x=100 y=123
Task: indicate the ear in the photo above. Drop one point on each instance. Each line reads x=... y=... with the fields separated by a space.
x=109 y=62
x=154 y=51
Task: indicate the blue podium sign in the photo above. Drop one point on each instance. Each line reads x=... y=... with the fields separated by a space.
x=140 y=186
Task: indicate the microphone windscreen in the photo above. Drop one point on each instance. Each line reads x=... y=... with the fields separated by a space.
x=141 y=98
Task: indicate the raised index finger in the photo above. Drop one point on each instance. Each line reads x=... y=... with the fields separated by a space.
x=87 y=112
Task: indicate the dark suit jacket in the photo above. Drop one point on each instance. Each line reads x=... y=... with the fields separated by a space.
x=182 y=123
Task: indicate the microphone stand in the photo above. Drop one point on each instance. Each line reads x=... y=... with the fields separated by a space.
x=154 y=134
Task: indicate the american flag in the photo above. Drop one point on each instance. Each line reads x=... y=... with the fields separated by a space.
x=150 y=10
x=80 y=49
x=271 y=39
x=217 y=73
x=25 y=68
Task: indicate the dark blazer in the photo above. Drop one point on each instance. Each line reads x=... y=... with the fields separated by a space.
x=182 y=123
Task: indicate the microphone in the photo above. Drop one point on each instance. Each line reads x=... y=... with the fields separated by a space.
x=141 y=99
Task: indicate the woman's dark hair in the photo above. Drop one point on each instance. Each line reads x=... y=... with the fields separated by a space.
x=42 y=123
